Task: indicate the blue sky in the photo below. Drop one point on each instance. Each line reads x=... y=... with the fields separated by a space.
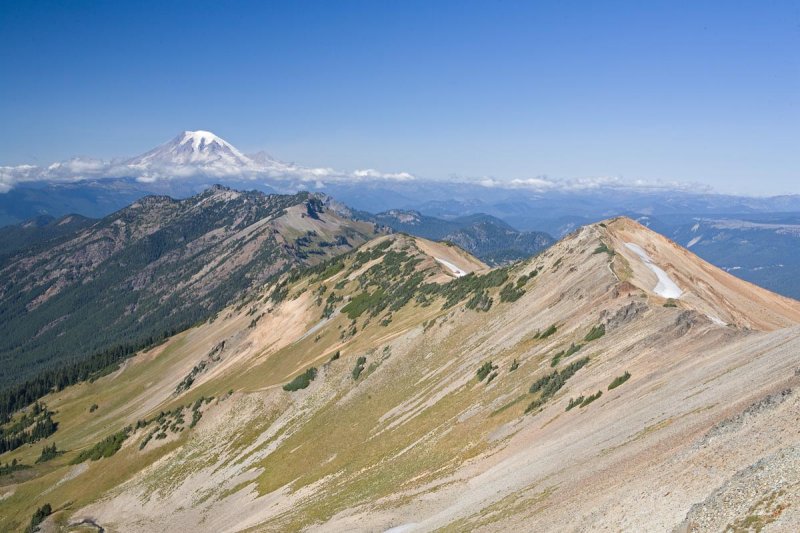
x=677 y=91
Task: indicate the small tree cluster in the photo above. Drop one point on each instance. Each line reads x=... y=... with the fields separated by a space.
x=38 y=517
x=546 y=333
x=551 y=383
x=302 y=381
x=595 y=333
x=619 y=380
x=359 y=368
x=485 y=369
x=48 y=452
x=105 y=448
x=590 y=399
x=574 y=402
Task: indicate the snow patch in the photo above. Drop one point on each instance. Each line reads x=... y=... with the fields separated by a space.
x=665 y=286
x=694 y=241
x=454 y=269
x=402 y=529
x=716 y=320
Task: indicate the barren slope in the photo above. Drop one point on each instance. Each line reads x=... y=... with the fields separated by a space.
x=414 y=439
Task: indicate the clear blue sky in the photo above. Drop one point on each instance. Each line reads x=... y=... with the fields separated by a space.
x=686 y=91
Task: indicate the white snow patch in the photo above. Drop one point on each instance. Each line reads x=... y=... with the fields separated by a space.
x=665 y=286
x=402 y=529
x=716 y=320
x=694 y=241
x=457 y=271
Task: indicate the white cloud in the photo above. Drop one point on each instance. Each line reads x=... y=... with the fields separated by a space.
x=289 y=174
x=545 y=184
x=371 y=173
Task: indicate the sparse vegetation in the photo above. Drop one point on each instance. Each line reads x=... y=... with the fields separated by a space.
x=603 y=249
x=105 y=448
x=39 y=516
x=574 y=402
x=485 y=369
x=301 y=381
x=595 y=333
x=196 y=416
x=13 y=466
x=670 y=303
x=511 y=292
x=546 y=333
x=93 y=408
x=589 y=399
x=619 y=380
x=514 y=366
x=335 y=356
x=549 y=384
x=48 y=453
x=574 y=348
x=359 y=368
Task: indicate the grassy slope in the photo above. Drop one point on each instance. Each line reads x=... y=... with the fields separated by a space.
x=412 y=423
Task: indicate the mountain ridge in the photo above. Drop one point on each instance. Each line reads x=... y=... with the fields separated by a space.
x=447 y=401
x=487 y=237
x=181 y=260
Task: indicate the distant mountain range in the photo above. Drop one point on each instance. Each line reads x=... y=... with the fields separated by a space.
x=195 y=160
x=486 y=237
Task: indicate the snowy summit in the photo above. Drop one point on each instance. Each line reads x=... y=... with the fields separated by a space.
x=197 y=148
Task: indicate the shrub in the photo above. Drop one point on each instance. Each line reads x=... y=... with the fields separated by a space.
x=511 y=293
x=603 y=248
x=146 y=440
x=38 y=517
x=485 y=369
x=335 y=356
x=670 y=303
x=551 y=383
x=360 y=303
x=105 y=448
x=12 y=467
x=359 y=368
x=480 y=302
x=535 y=404
x=48 y=452
x=574 y=348
x=595 y=333
x=514 y=366
x=302 y=381
x=196 y=416
x=574 y=402
x=619 y=380
x=93 y=408
x=546 y=333
x=491 y=377
x=590 y=399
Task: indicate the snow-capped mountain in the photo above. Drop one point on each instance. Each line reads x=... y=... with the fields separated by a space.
x=196 y=148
